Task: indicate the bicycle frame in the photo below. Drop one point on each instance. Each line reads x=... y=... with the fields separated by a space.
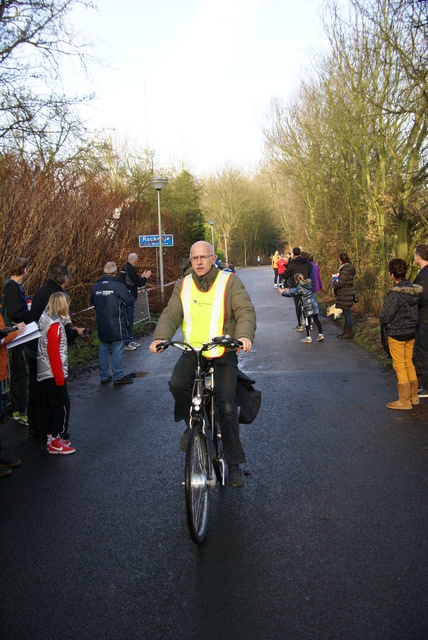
x=204 y=463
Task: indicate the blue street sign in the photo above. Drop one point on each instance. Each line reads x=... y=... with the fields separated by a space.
x=153 y=241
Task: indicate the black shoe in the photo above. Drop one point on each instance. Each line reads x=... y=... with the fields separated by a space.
x=5 y=471
x=9 y=461
x=422 y=392
x=124 y=380
x=106 y=380
x=184 y=439
x=236 y=479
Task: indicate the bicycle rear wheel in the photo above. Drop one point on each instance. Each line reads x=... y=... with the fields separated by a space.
x=196 y=475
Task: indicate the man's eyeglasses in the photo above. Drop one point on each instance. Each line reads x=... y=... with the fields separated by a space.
x=196 y=258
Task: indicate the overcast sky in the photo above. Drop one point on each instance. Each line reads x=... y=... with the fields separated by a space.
x=193 y=79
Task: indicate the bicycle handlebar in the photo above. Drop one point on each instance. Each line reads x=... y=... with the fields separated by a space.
x=225 y=341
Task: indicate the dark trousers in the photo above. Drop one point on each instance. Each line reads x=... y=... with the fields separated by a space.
x=309 y=321
x=422 y=353
x=275 y=276
x=225 y=373
x=18 y=379
x=130 y=317
x=298 y=305
x=32 y=414
x=53 y=408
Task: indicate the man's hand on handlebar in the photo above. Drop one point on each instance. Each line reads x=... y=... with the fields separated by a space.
x=246 y=344
x=153 y=346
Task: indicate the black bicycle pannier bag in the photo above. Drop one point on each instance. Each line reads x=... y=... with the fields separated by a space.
x=248 y=398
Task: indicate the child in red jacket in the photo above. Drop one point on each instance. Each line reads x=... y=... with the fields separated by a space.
x=52 y=373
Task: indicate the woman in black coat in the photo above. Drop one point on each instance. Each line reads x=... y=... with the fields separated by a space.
x=344 y=292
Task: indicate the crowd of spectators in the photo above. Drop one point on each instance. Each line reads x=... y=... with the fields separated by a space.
x=37 y=364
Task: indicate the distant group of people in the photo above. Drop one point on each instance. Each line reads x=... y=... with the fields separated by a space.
x=297 y=275
x=38 y=367
x=404 y=316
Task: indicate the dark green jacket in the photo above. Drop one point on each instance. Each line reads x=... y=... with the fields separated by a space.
x=239 y=313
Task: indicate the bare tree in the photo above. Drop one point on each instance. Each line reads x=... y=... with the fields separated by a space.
x=36 y=36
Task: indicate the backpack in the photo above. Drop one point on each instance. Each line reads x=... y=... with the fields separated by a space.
x=248 y=398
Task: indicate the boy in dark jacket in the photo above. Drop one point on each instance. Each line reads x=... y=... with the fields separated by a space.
x=17 y=311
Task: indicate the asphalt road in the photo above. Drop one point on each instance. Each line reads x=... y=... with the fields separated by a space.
x=328 y=539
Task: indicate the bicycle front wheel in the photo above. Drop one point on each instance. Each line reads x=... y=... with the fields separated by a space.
x=196 y=474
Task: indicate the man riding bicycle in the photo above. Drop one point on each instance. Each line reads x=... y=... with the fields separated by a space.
x=208 y=303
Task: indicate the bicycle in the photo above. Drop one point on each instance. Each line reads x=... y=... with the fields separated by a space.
x=205 y=464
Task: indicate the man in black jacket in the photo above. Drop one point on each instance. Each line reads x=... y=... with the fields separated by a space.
x=297 y=264
x=130 y=278
x=111 y=298
x=421 y=259
x=58 y=280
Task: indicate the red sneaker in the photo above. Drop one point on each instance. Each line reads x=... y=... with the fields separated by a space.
x=58 y=446
x=64 y=441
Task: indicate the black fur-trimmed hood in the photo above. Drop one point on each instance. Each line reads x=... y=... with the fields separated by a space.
x=407 y=287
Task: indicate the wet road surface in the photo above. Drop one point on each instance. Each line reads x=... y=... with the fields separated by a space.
x=328 y=539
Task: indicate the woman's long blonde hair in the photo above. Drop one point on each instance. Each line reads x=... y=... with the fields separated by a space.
x=58 y=305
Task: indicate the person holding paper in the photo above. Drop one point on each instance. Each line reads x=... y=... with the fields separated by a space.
x=17 y=311
x=6 y=338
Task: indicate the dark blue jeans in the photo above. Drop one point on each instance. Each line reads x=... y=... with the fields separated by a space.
x=225 y=373
x=348 y=318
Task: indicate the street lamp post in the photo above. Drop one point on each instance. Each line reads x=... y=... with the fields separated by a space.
x=212 y=223
x=245 y=252
x=225 y=246
x=158 y=184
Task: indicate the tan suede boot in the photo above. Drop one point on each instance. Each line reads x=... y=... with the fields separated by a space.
x=403 y=401
x=414 y=386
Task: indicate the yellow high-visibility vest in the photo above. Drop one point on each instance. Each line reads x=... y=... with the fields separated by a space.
x=203 y=312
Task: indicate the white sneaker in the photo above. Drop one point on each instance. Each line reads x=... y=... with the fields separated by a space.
x=130 y=347
x=135 y=344
x=307 y=340
x=320 y=338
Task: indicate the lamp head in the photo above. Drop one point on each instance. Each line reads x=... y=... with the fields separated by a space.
x=158 y=183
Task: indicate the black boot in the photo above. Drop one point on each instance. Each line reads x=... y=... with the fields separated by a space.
x=348 y=333
x=339 y=335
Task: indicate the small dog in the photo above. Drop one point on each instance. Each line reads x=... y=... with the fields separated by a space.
x=332 y=311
